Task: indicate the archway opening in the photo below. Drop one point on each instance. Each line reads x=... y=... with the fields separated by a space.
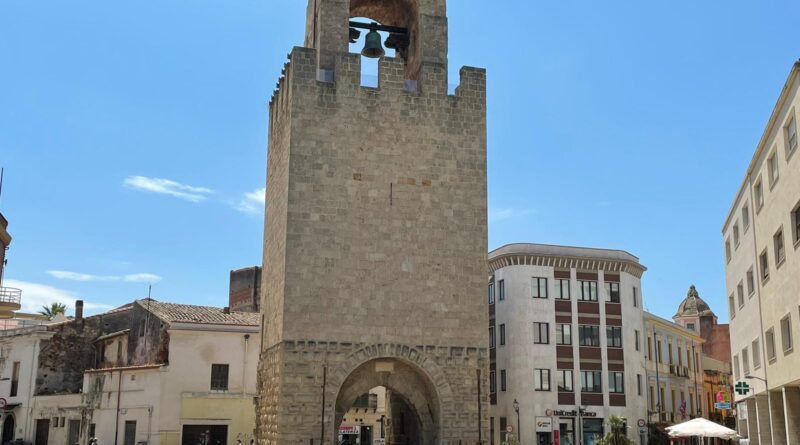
x=389 y=399
x=8 y=429
x=369 y=66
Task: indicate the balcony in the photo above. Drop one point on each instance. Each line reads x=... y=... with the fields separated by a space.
x=10 y=299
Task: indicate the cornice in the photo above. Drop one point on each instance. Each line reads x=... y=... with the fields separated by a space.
x=566 y=262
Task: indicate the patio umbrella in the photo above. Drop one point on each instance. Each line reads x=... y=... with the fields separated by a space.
x=701 y=428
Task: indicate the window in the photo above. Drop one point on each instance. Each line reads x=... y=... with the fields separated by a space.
x=219 y=377
x=501 y=289
x=588 y=290
x=780 y=252
x=616 y=383
x=751 y=284
x=502 y=380
x=589 y=335
x=14 y=380
x=786 y=334
x=731 y=306
x=690 y=326
x=491 y=337
x=740 y=294
x=502 y=334
x=539 y=287
x=639 y=384
x=562 y=289
x=770 y=341
x=541 y=379
x=736 y=367
x=736 y=235
x=541 y=333
x=791 y=136
x=637 y=337
x=756 y=354
x=491 y=293
x=659 y=351
x=746 y=361
x=796 y=223
x=141 y=328
x=635 y=297
x=563 y=334
x=612 y=291
x=728 y=250
x=652 y=399
x=614 y=336
x=492 y=382
x=591 y=381
x=758 y=191
x=764 y=263
x=772 y=165
x=565 y=380
x=745 y=217
x=649 y=348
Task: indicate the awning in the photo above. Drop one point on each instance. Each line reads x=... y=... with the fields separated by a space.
x=11 y=406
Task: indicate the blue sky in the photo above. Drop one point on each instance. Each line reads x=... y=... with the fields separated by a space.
x=133 y=134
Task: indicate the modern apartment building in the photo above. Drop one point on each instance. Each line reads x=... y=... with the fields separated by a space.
x=674 y=374
x=566 y=343
x=761 y=238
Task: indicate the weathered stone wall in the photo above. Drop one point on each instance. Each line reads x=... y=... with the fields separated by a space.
x=244 y=292
x=148 y=342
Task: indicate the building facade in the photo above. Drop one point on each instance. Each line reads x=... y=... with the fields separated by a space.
x=566 y=343
x=674 y=374
x=376 y=208
x=10 y=298
x=761 y=237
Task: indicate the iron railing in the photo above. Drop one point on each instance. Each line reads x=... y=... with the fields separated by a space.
x=10 y=295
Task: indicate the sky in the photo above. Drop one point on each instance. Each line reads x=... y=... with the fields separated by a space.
x=133 y=134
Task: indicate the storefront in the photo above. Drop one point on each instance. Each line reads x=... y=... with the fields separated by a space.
x=565 y=426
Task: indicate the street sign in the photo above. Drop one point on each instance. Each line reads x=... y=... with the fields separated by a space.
x=722 y=405
x=509 y=429
x=3 y=404
x=641 y=423
x=742 y=388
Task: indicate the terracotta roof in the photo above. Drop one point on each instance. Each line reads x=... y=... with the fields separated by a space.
x=694 y=305
x=185 y=313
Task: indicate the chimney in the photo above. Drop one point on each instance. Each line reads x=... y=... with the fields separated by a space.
x=226 y=310
x=79 y=310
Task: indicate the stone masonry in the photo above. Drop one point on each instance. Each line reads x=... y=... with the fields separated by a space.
x=375 y=234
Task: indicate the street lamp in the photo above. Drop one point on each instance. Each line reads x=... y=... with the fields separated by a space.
x=769 y=400
x=519 y=432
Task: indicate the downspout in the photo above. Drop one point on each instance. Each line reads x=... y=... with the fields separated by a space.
x=119 y=397
x=32 y=387
x=244 y=365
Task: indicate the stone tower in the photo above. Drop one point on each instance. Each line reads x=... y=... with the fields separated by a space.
x=375 y=235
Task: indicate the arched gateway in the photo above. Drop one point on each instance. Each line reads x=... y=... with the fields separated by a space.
x=375 y=235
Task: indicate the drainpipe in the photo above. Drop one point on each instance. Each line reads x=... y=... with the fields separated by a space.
x=119 y=397
x=244 y=365
x=32 y=384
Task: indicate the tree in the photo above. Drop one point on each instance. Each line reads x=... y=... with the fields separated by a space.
x=617 y=435
x=54 y=309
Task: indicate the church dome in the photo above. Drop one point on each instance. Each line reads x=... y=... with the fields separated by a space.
x=694 y=306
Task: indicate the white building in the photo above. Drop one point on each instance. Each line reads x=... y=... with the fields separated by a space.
x=761 y=239
x=566 y=343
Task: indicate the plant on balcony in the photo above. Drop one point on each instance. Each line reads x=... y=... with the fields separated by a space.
x=54 y=309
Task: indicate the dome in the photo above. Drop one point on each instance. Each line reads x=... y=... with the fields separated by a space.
x=693 y=305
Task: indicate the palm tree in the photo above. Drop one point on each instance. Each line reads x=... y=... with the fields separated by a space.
x=617 y=435
x=54 y=309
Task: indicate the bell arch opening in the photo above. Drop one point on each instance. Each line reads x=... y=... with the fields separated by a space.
x=411 y=402
x=395 y=13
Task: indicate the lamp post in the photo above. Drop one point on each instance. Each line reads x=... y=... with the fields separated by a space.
x=516 y=410
x=769 y=400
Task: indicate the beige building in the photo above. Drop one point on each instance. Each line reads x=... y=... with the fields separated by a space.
x=566 y=340
x=375 y=232
x=761 y=237
x=674 y=374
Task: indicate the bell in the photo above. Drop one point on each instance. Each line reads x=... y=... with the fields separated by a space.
x=372 y=46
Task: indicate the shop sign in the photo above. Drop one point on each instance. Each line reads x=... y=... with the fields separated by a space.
x=722 y=405
x=379 y=442
x=565 y=413
x=351 y=429
x=544 y=424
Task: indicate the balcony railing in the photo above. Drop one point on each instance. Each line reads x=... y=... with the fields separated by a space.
x=10 y=295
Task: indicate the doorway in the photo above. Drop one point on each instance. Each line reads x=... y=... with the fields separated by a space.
x=42 y=431
x=204 y=435
x=8 y=429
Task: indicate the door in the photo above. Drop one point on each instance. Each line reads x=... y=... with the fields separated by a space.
x=204 y=435
x=8 y=429
x=130 y=432
x=74 y=432
x=42 y=431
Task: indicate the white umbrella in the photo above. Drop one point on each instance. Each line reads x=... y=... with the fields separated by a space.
x=701 y=428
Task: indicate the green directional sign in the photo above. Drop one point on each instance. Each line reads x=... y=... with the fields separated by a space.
x=742 y=388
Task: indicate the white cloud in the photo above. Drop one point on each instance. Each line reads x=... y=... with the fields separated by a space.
x=498 y=215
x=35 y=295
x=167 y=187
x=253 y=202
x=142 y=278
x=75 y=276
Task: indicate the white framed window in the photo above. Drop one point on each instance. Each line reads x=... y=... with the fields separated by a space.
x=502 y=334
x=740 y=294
x=746 y=361
x=491 y=293
x=780 y=250
x=564 y=334
x=541 y=333
x=745 y=216
x=539 y=287
x=736 y=235
x=751 y=282
x=501 y=290
x=769 y=339
x=786 y=334
x=763 y=261
x=756 y=348
x=736 y=370
x=791 y=136
x=758 y=191
x=541 y=379
x=616 y=382
x=564 y=380
x=772 y=165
